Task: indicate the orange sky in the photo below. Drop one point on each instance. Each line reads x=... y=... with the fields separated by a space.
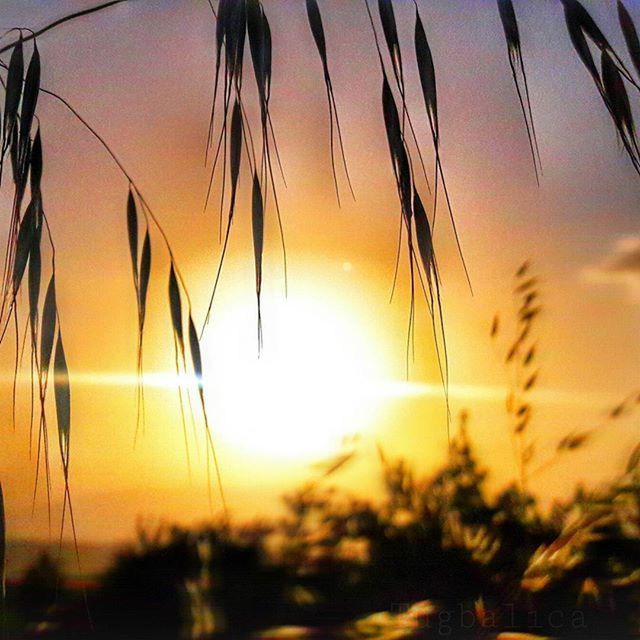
x=334 y=350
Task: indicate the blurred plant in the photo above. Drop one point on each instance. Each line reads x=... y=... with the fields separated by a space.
x=202 y=617
x=460 y=485
x=402 y=496
x=389 y=625
x=41 y=580
x=38 y=591
x=520 y=361
x=435 y=541
x=577 y=438
x=596 y=556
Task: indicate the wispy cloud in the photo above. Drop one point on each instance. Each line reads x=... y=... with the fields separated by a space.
x=620 y=267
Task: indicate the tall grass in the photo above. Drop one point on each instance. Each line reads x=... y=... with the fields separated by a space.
x=317 y=29
x=516 y=63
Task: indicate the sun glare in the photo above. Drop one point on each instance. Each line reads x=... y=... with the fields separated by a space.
x=309 y=388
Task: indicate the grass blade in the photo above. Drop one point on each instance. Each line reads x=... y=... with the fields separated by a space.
x=583 y=20
x=630 y=35
x=268 y=53
x=255 y=29
x=390 y=30
x=617 y=95
x=235 y=152
x=391 y=120
x=35 y=160
x=236 y=28
x=427 y=74
x=175 y=305
x=235 y=159
x=220 y=33
x=516 y=62
x=23 y=246
x=196 y=357
x=132 y=231
x=29 y=98
x=509 y=24
x=13 y=92
x=424 y=238
x=145 y=274
x=48 y=326
x=257 y=218
x=579 y=41
x=397 y=149
x=141 y=299
x=63 y=401
x=610 y=82
x=34 y=277
x=317 y=30
x=617 y=101
x=258 y=230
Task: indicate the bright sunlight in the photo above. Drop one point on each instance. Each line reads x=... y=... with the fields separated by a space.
x=313 y=385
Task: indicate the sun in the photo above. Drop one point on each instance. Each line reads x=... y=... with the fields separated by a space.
x=309 y=388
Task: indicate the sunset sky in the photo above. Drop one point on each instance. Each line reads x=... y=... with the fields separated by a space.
x=333 y=363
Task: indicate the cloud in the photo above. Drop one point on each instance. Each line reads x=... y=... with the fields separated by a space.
x=621 y=267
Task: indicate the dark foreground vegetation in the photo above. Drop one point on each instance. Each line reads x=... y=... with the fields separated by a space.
x=435 y=557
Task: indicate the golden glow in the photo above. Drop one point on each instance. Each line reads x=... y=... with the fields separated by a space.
x=312 y=384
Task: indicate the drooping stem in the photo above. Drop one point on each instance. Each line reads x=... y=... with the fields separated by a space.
x=56 y=23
